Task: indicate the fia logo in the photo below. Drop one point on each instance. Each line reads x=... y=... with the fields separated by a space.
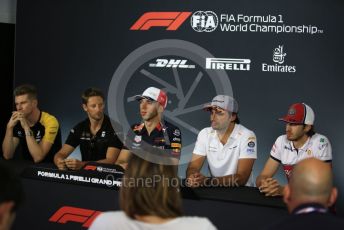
x=278 y=55
x=204 y=21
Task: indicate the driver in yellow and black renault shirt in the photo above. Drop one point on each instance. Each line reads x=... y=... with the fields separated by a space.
x=36 y=132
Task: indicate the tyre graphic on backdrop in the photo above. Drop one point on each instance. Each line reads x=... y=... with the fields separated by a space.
x=177 y=67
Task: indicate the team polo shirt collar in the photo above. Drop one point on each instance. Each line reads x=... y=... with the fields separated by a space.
x=40 y=117
x=309 y=208
x=157 y=128
x=304 y=146
x=102 y=128
x=38 y=121
x=232 y=137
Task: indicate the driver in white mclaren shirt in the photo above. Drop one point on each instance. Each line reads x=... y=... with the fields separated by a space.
x=228 y=146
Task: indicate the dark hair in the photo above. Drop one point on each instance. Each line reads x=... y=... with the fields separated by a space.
x=158 y=198
x=237 y=121
x=30 y=90
x=311 y=132
x=11 y=187
x=91 y=92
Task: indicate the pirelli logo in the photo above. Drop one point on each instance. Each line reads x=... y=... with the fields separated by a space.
x=170 y=20
x=228 y=64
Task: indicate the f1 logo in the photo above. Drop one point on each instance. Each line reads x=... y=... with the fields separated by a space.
x=71 y=214
x=90 y=167
x=171 y=20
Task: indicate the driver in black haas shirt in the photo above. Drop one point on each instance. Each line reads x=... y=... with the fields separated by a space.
x=153 y=134
x=95 y=135
x=93 y=147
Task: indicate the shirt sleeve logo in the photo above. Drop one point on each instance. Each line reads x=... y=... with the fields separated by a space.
x=176 y=145
x=176 y=139
x=309 y=152
x=176 y=132
x=138 y=138
x=251 y=144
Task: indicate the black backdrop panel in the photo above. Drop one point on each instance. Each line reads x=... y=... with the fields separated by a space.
x=65 y=46
x=6 y=73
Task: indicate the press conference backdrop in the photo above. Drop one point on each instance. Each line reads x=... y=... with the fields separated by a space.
x=267 y=54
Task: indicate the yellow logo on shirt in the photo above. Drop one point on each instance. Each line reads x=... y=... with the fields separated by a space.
x=309 y=152
x=176 y=145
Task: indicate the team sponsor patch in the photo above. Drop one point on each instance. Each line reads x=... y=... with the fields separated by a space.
x=176 y=145
x=212 y=148
x=103 y=134
x=38 y=136
x=251 y=138
x=176 y=132
x=52 y=132
x=322 y=140
x=138 y=127
x=309 y=152
x=233 y=147
x=292 y=111
x=321 y=147
x=138 y=138
x=288 y=148
x=176 y=139
x=159 y=140
x=136 y=145
x=250 y=150
x=251 y=144
x=287 y=170
x=176 y=150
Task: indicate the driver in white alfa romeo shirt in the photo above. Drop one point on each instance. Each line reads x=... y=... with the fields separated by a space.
x=299 y=142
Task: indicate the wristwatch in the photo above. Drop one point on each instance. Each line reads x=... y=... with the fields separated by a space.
x=29 y=133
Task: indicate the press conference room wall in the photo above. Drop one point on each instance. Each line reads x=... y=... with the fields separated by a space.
x=271 y=54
